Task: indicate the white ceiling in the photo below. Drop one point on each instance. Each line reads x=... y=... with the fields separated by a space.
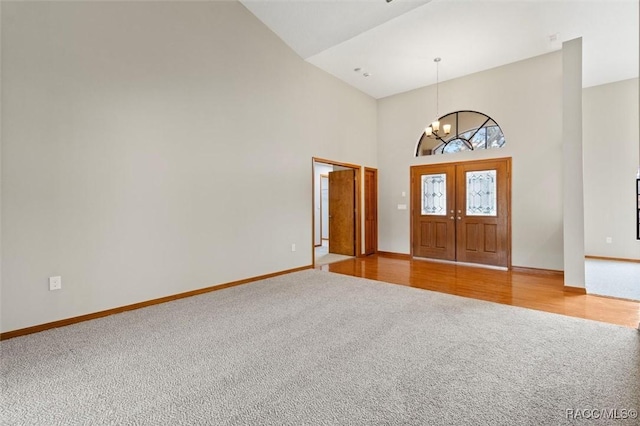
x=396 y=42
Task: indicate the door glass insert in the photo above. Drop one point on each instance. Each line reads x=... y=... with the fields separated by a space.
x=481 y=193
x=434 y=194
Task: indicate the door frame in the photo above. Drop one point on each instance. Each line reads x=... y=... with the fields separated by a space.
x=358 y=200
x=453 y=163
x=374 y=201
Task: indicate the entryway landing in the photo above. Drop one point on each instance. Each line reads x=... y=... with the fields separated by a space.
x=323 y=257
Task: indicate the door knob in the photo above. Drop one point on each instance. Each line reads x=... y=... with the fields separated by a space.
x=451 y=217
x=459 y=218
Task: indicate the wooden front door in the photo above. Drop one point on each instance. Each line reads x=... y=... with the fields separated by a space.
x=370 y=211
x=482 y=212
x=342 y=212
x=461 y=211
x=433 y=201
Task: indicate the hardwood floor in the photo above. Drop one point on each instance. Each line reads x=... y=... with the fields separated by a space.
x=542 y=291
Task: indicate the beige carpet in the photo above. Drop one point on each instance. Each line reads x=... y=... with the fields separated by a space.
x=323 y=257
x=316 y=348
x=613 y=278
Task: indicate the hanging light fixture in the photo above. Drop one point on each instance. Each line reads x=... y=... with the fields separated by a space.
x=433 y=129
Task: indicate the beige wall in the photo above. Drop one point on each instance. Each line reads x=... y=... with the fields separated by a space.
x=525 y=98
x=573 y=186
x=611 y=160
x=152 y=148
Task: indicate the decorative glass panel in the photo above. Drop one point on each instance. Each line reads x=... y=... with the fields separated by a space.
x=434 y=194
x=495 y=138
x=481 y=193
x=456 y=145
x=469 y=130
x=479 y=139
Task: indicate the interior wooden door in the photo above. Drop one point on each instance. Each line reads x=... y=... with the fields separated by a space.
x=342 y=212
x=482 y=212
x=370 y=211
x=433 y=204
x=460 y=212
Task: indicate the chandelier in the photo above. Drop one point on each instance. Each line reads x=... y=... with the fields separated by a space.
x=433 y=130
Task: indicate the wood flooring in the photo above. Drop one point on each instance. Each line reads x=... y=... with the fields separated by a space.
x=538 y=290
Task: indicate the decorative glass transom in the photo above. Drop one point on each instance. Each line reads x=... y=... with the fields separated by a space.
x=481 y=193
x=468 y=131
x=434 y=194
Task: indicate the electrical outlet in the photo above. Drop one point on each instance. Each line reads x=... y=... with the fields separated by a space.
x=293 y=247
x=55 y=283
x=609 y=240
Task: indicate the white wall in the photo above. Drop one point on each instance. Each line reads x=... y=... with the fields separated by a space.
x=611 y=144
x=525 y=98
x=152 y=148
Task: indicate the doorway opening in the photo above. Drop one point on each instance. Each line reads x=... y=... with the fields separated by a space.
x=336 y=211
x=462 y=212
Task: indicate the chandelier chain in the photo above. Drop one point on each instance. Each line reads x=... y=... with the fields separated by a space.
x=437 y=89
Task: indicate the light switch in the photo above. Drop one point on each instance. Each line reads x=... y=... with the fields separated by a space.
x=402 y=206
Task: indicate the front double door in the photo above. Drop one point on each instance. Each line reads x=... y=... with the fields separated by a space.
x=461 y=211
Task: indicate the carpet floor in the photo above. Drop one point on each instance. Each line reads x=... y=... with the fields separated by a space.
x=316 y=348
x=323 y=257
x=613 y=278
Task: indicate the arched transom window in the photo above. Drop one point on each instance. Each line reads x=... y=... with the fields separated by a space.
x=469 y=131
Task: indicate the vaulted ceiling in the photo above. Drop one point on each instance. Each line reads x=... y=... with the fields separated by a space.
x=395 y=42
